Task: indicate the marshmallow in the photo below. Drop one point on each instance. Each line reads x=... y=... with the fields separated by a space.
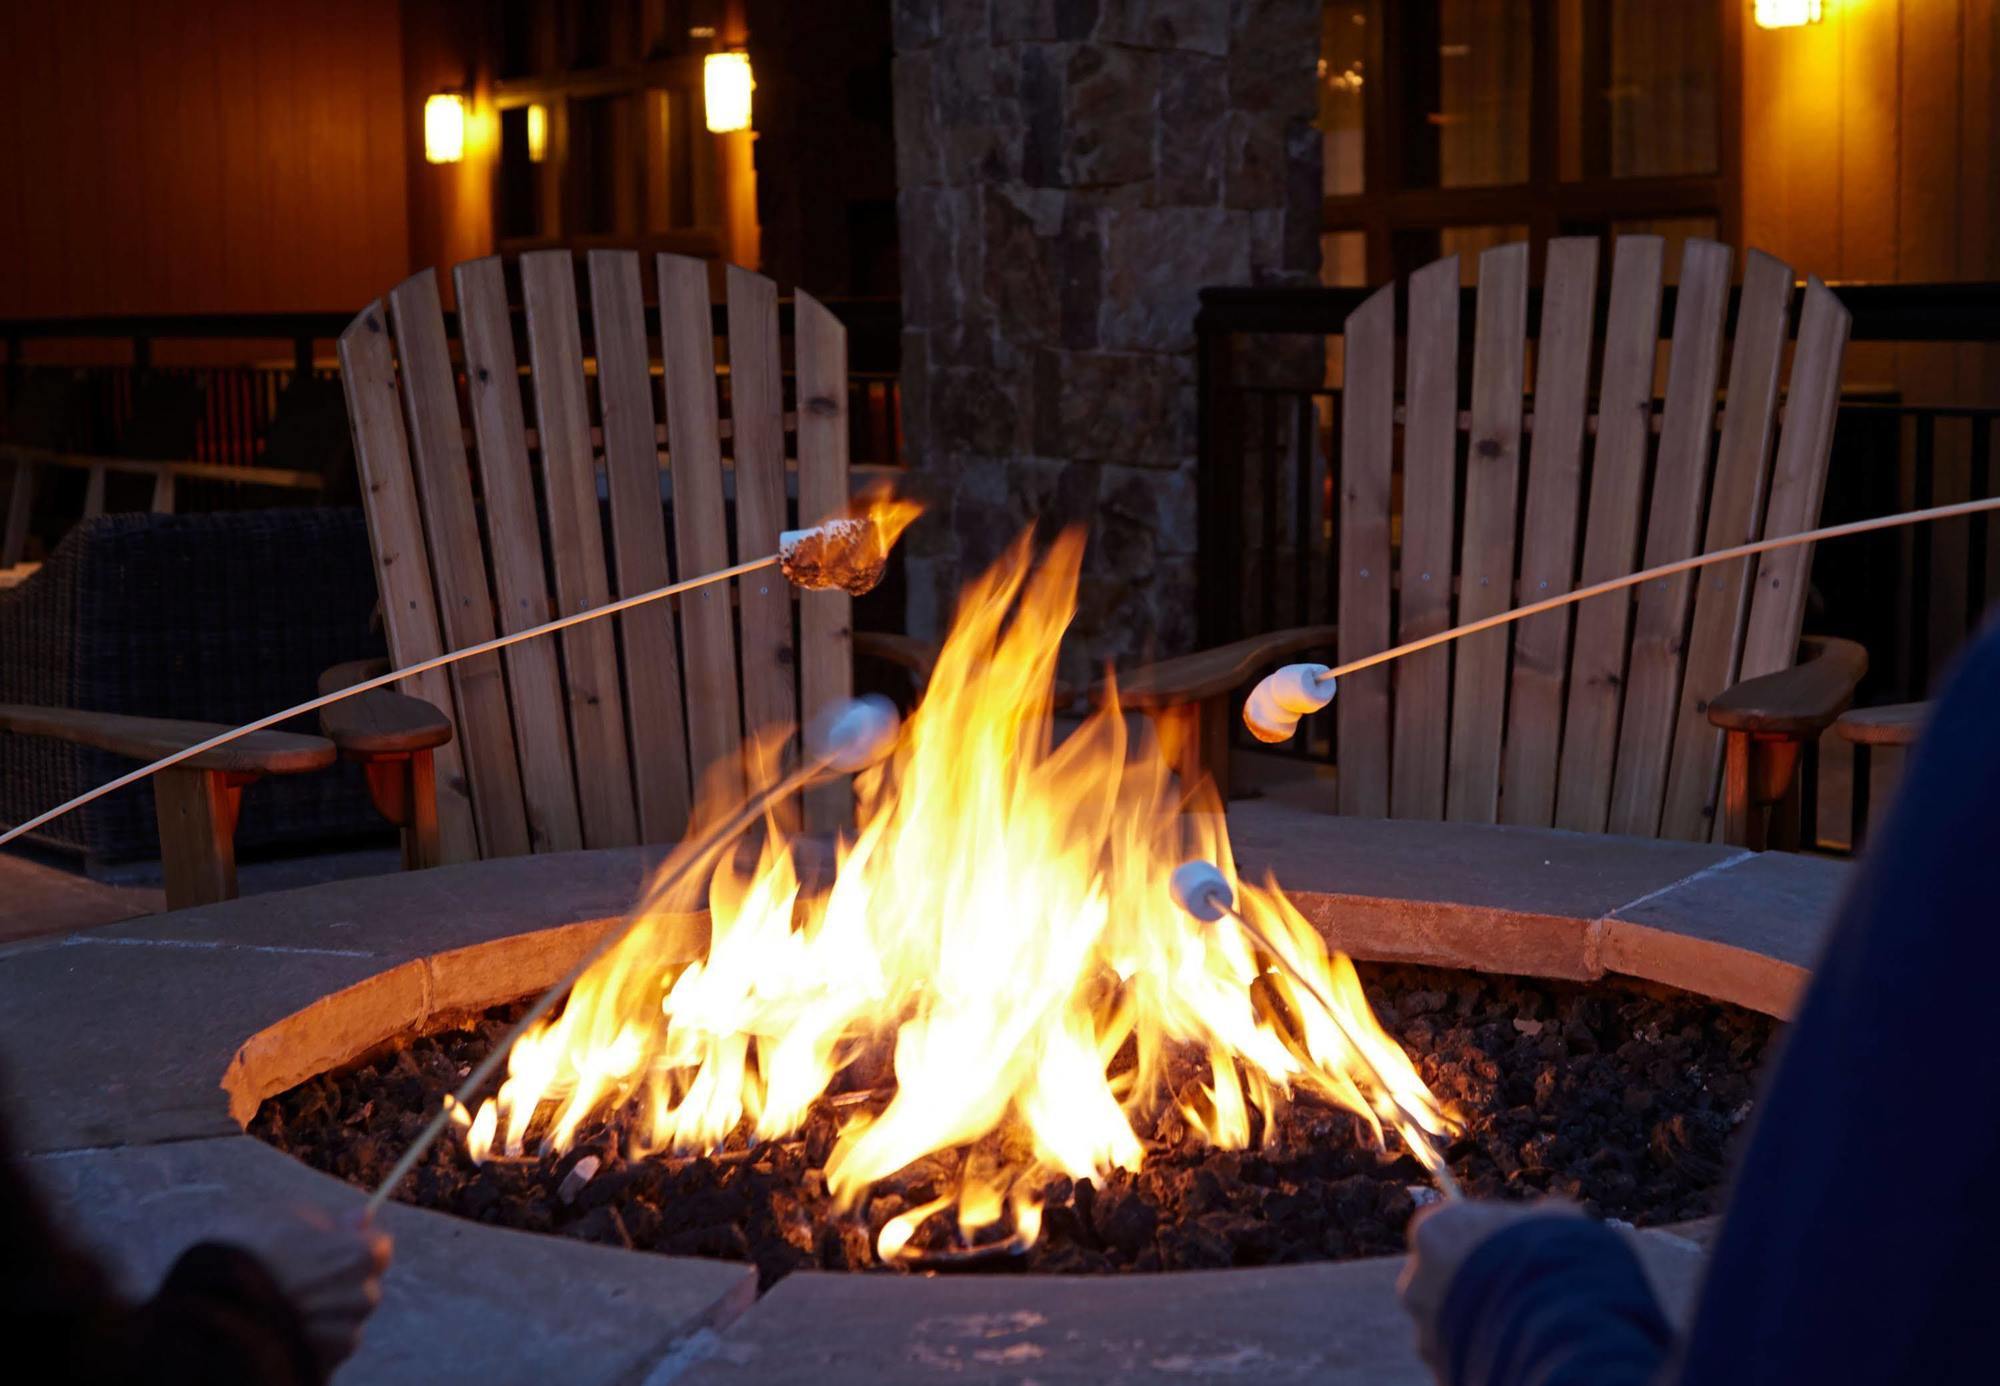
x=1202 y=890
x=846 y=553
x=852 y=735
x=1273 y=709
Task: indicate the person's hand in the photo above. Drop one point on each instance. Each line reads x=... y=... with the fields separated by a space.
x=1442 y=1237
x=332 y=1271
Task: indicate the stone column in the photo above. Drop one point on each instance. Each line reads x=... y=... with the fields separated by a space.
x=1071 y=173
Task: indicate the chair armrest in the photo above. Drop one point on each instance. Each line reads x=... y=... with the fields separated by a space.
x=1191 y=678
x=1801 y=701
x=1897 y=724
x=149 y=738
x=381 y=722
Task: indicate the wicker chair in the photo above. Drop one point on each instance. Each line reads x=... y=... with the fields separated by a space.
x=217 y=617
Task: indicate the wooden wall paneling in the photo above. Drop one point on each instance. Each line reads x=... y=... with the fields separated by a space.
x=238 y=155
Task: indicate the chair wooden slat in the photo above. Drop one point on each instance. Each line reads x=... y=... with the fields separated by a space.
x=1430 y=451
x=458 y=563
x=756 y=407
x=1368 y=401
x=1736 y=503
x=1798 y=483
x=701 y=539
x=826 y=636
x=541 y=735
x=1611 y=534
x=653 y=710
x=576 y=545
x=1548 y=533
x=1673 y=525
x=1486 y=564
x=396 y=537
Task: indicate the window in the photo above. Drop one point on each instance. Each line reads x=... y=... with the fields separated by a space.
x=1450 y=125
x=601 y=133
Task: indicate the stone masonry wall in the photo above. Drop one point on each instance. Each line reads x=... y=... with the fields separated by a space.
x=1071 y=173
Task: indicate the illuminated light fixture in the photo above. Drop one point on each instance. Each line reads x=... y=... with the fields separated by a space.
x=726 y=87
x=1788 y=14
x=444 y=128
x=538 y=133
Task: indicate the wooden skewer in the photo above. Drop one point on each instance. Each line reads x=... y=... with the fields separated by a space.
x=701 y=856
x=1203 y=891
x=1701 y=560
x=846 y=738
x=383 y=681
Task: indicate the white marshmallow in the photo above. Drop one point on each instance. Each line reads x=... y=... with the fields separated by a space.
x=1273 y=709
x=1202 y=890
x=854 y=734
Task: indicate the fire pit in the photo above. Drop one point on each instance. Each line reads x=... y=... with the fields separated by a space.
x=138 y=1053
x=1620 y=1096
x=1129 y=1045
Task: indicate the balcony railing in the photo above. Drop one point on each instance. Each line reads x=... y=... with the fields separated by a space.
x=257 y=391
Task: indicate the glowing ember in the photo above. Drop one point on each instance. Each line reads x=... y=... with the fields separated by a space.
x=1002 y=923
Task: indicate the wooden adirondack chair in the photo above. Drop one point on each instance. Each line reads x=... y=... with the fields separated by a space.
x=1620 y=714
x=593 y=737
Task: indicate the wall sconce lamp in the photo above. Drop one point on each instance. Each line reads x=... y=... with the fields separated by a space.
x=538 y=133
x=726 y=87
x=1788 y=14
x=444 y=128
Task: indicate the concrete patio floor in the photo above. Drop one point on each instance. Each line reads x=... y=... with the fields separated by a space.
x=42 y=894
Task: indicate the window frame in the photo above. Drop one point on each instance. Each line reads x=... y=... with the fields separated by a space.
x=1387 y=209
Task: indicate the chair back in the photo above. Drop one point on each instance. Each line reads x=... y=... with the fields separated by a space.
x=1592 y=717
x=589 y=478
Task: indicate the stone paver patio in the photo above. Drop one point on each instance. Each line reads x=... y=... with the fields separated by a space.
x=135 y=1052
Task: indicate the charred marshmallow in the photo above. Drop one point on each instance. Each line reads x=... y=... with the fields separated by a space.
x=844 y=553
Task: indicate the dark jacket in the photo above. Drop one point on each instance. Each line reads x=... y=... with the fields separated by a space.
x=219 y=1319
x=1858 y=1241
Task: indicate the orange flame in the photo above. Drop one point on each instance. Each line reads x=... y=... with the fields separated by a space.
x=886 y=512
x=1001 y=922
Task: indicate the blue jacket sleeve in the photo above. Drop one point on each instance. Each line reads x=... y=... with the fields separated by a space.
x=1859 y=1240
x=1556 y=1301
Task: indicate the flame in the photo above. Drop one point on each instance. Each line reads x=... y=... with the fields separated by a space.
x=1000 y=924
x=887 y=513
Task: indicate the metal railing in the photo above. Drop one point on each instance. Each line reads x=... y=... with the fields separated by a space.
x=211 y=389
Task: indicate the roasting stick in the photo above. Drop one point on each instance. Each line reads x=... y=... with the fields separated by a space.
x=845 y=553
x=1204 y=892
x=1274 y=707
x=851 y=736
